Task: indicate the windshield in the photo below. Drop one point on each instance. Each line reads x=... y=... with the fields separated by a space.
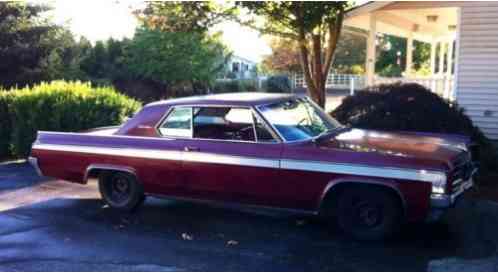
x=298 y=119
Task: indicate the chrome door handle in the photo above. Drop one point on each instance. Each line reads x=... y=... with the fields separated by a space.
x=190 y=149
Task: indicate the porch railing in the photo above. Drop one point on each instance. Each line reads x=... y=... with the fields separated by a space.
x=338 y=81
x=441 y=85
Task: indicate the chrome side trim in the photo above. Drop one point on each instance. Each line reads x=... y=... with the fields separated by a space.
x=233 y=204
x=107 y=167
x=287 y=164
x=128 y=152
x=166 y=155
x=362 y=170
x=231 y=160
x=33 y=161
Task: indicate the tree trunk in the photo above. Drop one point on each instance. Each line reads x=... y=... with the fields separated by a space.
x=318 y=76
x=316 y=72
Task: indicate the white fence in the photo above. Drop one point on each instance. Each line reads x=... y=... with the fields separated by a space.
x=339 y=81
x=441 y=85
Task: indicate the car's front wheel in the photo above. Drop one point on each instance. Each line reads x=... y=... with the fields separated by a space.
x=121 y=190
x=368 y=213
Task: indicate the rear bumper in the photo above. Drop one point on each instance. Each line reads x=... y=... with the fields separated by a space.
x=34 y=162
x=440 y=203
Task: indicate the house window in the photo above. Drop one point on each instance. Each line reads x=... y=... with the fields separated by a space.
x=245 y=67
x=235 y=67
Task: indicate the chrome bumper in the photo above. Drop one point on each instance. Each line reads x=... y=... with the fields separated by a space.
x=441 y=202
x=34 y=162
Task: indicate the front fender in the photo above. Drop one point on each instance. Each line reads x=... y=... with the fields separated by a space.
x=353 y=180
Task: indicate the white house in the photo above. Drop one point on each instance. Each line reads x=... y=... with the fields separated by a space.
x=464 y=69
x=241 y=68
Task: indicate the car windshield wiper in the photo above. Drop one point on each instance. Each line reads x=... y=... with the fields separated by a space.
x=328 y=132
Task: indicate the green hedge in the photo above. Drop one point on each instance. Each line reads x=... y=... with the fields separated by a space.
x=59 y=106
x=278 y=84
x=5 y=125
x=235 y=85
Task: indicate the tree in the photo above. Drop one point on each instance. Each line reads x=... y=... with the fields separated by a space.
x=177 y=57
x=22 y=46
x=315 y=26
x=392 y=56
x=349 y=56
x=284 y=57
x=63 y=61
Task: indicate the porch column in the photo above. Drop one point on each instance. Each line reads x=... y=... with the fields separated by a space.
x=409 y=54
x=433 y=57
x=449 y=58
x=370 y=62
x=441 y=58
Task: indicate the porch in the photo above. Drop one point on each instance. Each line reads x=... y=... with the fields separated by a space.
x=433 y=23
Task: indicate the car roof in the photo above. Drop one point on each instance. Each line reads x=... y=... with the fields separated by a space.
x=229 y=99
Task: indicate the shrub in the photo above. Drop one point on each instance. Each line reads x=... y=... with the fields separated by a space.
x=5 y=125
x=278 y=84
x=248 y=85
x=412 y=107
x=63 y=106
x=227 y=86
x=238 y=85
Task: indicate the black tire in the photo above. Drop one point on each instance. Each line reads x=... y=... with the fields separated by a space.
x=121 y=190
x=368 y=213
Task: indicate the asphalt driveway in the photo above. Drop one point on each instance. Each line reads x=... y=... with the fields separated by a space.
x=49 y=225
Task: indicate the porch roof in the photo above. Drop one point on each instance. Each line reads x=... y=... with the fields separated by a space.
x=425 y=21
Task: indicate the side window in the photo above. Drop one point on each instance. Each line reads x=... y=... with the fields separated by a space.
x=262 y=132
x=224 y=123
x=178 y=123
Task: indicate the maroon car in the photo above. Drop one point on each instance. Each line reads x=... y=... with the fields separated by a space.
x=269 y=150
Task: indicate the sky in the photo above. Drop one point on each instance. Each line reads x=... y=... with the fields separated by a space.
x=100 y=20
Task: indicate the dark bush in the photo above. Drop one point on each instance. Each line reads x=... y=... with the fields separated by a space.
x=278 y=84
x=5 y=125
x=226 y=86
x=412 y=107
x=62 y=106
x=238 y=85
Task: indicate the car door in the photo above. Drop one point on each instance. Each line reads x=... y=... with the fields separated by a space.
x=168 y=175
x=225 y=161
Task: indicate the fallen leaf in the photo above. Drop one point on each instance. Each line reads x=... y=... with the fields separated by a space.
x=187 y=237
x=300 y=222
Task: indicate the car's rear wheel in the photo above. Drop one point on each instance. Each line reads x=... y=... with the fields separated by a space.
x=121 y=190
x=368 y=213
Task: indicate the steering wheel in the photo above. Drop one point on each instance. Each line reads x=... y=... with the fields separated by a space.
x=301 y=121
x=246 y=133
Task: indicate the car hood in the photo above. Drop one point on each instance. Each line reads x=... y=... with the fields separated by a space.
x=442 y=148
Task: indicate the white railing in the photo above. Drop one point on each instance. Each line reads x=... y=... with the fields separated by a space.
x=441 y=85
x=339 y=81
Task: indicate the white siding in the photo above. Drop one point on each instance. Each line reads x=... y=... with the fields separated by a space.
x=477 y=81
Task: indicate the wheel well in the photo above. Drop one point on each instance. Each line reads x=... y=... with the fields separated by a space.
x=329 y=201
x=94 y=172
